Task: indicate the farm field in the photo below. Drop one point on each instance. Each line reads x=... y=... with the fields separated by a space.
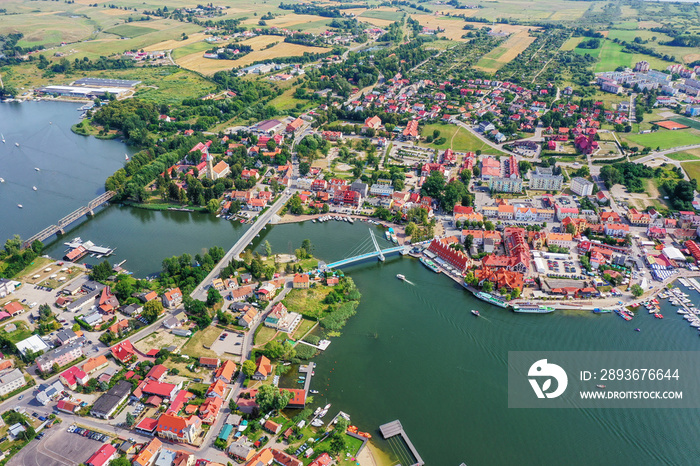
x=129 y=31
x=683 y=156
x=504 y=53
x=196 y=62
x=665 y=139
x=385 y=14
x=571 y=43
x=457 y=138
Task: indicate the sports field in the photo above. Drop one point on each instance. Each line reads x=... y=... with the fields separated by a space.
x=504 y=53
x=687 y=121
x=665 y=139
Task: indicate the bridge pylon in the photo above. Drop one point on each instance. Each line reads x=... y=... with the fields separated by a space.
x=376 y=246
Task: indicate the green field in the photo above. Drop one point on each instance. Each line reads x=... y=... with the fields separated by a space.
x=665 y=139
x=682 y=156
x=693 y=170
x=130 y=31
x=191 y=48
x=381 y=14
x=458 y=139
x=610 y=56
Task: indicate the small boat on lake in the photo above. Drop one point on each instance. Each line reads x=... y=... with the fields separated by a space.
x=37 y=169
x=34 y=188
x=313 y=392
x=19 y=205
x=600 y=386
x=476 y=313
x=401 y=277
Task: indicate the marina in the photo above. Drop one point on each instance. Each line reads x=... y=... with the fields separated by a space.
x=77 y=249
x=394 y=428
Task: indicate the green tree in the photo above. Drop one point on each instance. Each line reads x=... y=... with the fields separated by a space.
x=212 y=206
x=268 y=248
x=152 y=310
x=488 y=287
x=130 y=419
x=213 y=296
x=248 y=368
x=637 y=290
x=101 y=271
x=488 y=225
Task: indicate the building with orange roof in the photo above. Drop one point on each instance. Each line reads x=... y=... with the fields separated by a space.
x=172 y=298
x=501 y=278
x=301 y=281
x=217 y=388
x=411 y=130
x=178 y=429
x=95 y=364
x=108 y=302
x=506 y=212
x=123 y=351
x=373 y=122
x=121 y=326
x=561 y=240
x=149 y=453
x=226 y=372
x=209 y=410
x=263 y=458
x=295 y=125
x=263 y=368
x=442 y=250
x=490 y=167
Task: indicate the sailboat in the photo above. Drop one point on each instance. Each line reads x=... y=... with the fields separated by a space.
x=127 y=157
x=3 y=138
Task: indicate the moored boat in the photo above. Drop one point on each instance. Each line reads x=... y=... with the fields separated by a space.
x=491 y=299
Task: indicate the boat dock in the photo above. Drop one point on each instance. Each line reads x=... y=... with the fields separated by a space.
x=308 y=370
x=390 y=429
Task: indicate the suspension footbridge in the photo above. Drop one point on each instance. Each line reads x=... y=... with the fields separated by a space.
x=357 y=255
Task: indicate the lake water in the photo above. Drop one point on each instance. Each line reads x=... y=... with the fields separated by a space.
x=413 y=352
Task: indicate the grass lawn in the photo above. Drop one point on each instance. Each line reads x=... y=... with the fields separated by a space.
x=693 y=170
x=264 y=335
x=182 y=367
x=458 y=139
x=682 y=156
x=383 y=14
x=20 y=334
x=191 y=48
x=665 y=139
x=200 y=342
x=687 y=121
x=307 y=302
x=39 y=263
x=303 y=327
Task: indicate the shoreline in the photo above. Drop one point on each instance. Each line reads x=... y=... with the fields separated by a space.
x=398 y=229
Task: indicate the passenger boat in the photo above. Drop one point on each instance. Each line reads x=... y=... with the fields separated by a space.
x=533 y=309
x=401 y=277
x=430 y=264
x=601 y=311
x=475 y=312
x=491 y=299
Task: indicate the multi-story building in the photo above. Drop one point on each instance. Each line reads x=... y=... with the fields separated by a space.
x=11 y=381
x=561 y=240
x=63 y=355
x=178 y=429
x=581 y=186
x=506 y=185
x=544 y=180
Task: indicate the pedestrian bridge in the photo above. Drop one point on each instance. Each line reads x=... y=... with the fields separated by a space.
x=378 y=253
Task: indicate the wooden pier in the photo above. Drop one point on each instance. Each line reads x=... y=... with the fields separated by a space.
x=390 y=429
x=308 y=370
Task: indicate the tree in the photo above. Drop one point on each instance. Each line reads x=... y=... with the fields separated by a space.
x=488 y=287
x=488 y=225
x=101 y=271
x=307 y=246
x=265 y=397
x=248 y=368
x=213 y=296
x=468 y=241
x=130 y=419
x=434 y=185
x=637 y=290
x=152 y=310
x=268 y=248
x=213 y=206
x=411 y=229
x=570 y=228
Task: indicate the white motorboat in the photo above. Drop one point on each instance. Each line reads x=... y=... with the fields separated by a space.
x=17 y=144
x=2 y=180
x=19 y=205
x=37 y=169
x=34 y=188
x=3 y=138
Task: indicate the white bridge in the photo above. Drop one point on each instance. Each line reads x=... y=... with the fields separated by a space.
x=378 y=253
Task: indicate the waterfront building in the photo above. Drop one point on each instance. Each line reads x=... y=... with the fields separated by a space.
x=581 y=186
x=442 y=250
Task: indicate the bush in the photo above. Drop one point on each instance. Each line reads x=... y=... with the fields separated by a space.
x=305 y=351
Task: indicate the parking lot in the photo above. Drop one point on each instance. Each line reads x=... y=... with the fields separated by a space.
x=57 y=448
x=232 y=343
